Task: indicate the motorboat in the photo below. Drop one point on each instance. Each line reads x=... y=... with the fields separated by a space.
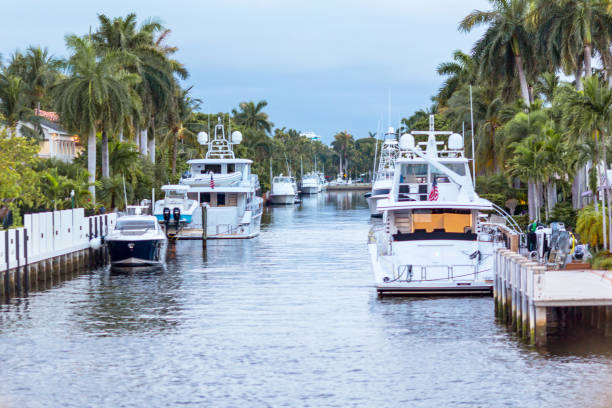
x=177 y=202
x=283 y=191
x=437 y=235
x=322 y=181
x=225 y=187
x=136 y=241
x=311 y=183
x=383 y=177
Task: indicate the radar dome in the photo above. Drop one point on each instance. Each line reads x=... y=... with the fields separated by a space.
x=202 y=138
x=236 y=137
x=455 y=141
x=406 y=141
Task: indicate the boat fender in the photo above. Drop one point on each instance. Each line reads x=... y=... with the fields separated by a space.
x=95 y=244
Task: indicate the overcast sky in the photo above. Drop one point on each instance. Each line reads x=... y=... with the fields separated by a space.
x=322 y=65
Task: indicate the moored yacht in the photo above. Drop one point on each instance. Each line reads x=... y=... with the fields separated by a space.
x=283 y=190
x=225 y=185
x=175 y=202
x=311 y=183
x=435 y=237
x=136 y=241
x=383 y=177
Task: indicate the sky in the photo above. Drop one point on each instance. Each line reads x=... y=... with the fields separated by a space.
x=322 y=65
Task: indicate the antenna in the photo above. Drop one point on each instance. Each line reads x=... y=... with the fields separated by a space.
x=375 y=149
x=388 y=107
x=472 y=123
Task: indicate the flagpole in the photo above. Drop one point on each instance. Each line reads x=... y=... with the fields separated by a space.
x=472 y=123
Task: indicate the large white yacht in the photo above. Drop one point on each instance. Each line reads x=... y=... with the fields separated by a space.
x=435 y=237
x=283 y=190
x=311 y=183
x=226 y=186
x=383 y=177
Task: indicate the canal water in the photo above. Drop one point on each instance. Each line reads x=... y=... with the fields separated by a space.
x=286 y=319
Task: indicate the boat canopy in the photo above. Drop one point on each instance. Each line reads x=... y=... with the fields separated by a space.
x=220 y=161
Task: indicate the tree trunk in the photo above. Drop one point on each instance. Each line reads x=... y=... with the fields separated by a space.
x=152 y=141
x=121 y=135
x=578 y=78
x=551 y=192
x=587 y=59
x=91 y=162
x=175 y=147
x=105 y=164
x=577 y=189
x=143 y=141
x=531 y=200
x=522 y=79
x=137 y=138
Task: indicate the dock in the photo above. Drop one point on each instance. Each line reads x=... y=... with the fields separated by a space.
x=350 y=187
x=543 y=305
x=51 y=247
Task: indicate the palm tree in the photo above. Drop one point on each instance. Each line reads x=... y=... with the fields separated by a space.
x=251 y=116
x=38 y=69
x=569 y=29
x=343 y=143
x=96 y=94
x=506 y=48
x=462 y=70
x=13 y=100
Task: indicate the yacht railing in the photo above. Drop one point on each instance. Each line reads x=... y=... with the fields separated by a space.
x=405 y=273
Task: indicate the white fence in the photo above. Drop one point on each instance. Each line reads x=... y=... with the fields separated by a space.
x=50 y=234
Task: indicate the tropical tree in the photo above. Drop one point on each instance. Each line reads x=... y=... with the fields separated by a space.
x=343 y=144
x=462 y=70
x=95 y=95
x=251 y=116
x=506 y=48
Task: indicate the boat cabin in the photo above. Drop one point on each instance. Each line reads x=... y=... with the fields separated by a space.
x=416 y=179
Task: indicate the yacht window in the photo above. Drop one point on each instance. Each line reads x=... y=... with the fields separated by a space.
x=204 y=197
x=220 y=199
x=458 y=168
x=414 y=173
x=282 y=180
x=231 y=168
x=130 y=225
x=215 y=168
x=381 y=191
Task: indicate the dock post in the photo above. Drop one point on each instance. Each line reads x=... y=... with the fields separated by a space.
x=499 y=259
x=514 y=289
x=204 y=224
x=608 y=321
x=504 y=289
x=541 y=326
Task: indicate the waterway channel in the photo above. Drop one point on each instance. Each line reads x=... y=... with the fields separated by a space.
x=289 y=318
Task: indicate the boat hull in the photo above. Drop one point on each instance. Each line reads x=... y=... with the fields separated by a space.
x=284 y=199
x=372 y=201
x=137 y=253
x=185 y=218
x=460 y=285
x=310 y=190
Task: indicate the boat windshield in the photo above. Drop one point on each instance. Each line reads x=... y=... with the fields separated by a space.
x=131 y=225
x=175 y=194
x=282 y=180
x=417 y=172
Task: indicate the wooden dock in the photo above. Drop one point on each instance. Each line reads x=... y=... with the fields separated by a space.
x=543 y=305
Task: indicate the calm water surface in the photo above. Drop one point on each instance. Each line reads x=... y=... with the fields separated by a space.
x=287 y=319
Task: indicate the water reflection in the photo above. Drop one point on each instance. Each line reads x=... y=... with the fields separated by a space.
x=289 y=318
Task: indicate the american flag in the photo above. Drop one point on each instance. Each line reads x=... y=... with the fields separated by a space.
x=212 y=181
x=433 y=194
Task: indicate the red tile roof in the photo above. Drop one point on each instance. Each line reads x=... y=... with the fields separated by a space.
x=52 y=116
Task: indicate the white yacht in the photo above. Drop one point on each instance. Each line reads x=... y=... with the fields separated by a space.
x=383 y=177
x=136 y=241
x=226 y=186
x=176 y=202
x=311 y=183
x=434 y=238
x=283 y=190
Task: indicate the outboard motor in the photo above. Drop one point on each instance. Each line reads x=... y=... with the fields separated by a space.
x=166 y=214
x=176 y=215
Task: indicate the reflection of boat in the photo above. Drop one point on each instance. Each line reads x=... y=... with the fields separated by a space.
x=383 y=178
x=283 y=190
x=227 y=187
x=311 y=183
x=175 y=197
x=136 y=240
x=433 y=239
